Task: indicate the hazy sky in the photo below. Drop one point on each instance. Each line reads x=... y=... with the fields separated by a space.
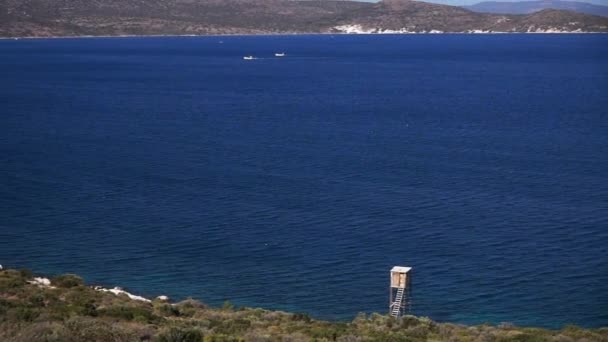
x=470 y=2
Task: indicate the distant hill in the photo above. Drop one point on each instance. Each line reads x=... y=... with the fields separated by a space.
x=418 y=16
x=45 y=18
x=527 y=7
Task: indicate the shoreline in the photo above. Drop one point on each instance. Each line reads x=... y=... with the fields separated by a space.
x=64 y=307
x=298 y=34
x=50 y=282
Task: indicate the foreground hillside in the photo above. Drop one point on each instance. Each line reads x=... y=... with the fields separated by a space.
x=64 y=309
x=41 y=18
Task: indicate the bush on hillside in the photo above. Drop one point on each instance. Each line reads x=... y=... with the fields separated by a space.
x=67 y=281
x=129 y=313
x=176 y=334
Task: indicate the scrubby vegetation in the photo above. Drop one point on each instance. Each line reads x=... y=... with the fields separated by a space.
x=67 y=310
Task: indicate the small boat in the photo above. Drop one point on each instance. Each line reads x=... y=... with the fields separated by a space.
x=279 y=54
x=248 y=58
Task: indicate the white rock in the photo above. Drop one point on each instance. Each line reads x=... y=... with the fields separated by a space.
x=118 y=291
x=40 y=282
x=352 y=29
x=163 y=298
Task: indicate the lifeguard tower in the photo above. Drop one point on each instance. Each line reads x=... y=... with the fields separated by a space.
x=401 y=278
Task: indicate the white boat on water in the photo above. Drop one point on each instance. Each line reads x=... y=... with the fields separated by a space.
x=249 y=58
x=279 y=54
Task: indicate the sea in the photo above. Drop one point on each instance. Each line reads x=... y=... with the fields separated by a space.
x=172 y=166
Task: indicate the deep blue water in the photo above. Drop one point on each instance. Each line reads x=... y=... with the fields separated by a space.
x=171 y=166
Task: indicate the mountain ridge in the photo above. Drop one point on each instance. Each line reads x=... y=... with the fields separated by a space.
x=527 y=7
x=40 y=18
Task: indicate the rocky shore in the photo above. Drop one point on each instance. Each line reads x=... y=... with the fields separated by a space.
x=64 y=308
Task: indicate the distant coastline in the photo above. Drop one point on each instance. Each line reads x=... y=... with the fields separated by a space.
x=295 y=34
x=130 y=17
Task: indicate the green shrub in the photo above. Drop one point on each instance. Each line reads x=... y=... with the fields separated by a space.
x=82 y=301
x=128 y=313
x=89 y=309
x=39 y=331
x=228 y=306
x=361 y=318
x=326 y=331
x=190 y=307
x=528 y=337
x=577 y=332
x=26 y=274
x=221 y=338
x=24 y=314
x=10 y=279
x=36 y=299
x=233 y=326
x=180 y=335
x=67 y=281
x=191 y=304
x=301 y=317
x=409 y=321
x=168 y=310
x=418 y=332
x=90 y=329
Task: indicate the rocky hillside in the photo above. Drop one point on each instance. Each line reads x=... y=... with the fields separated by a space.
x=526 y=7
x=43 y=18
x=415 y=16
x=166 y=17
x=63 y=308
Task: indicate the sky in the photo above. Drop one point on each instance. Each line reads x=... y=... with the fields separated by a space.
x=470 y=2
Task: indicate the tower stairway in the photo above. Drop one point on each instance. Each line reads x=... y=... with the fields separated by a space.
x=398 y=303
